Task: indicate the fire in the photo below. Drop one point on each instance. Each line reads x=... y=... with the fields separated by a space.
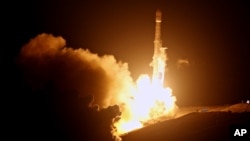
x=150 y=100
x=148 y=103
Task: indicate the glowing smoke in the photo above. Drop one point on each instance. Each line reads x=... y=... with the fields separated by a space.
x=46 y=59
x=83 y=74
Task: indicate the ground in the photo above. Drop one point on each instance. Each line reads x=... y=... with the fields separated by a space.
x=195 y=123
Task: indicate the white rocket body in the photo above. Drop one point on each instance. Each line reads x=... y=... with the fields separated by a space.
x=159 y=57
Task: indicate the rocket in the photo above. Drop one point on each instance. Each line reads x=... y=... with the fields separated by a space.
x=159 y=56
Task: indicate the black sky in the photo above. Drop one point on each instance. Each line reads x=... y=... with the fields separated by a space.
x=213 y=35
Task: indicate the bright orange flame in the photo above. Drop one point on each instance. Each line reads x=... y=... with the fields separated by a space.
x=148 y=102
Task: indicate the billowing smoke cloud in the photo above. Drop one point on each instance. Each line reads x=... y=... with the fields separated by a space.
x=77 y=76
x=46 y=59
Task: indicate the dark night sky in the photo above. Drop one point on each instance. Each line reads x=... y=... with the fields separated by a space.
x=213 y=35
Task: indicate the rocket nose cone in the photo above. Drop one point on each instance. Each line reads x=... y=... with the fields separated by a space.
x=158 y=16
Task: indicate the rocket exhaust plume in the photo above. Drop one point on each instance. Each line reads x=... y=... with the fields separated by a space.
x=79 y=72
x=150 y=100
